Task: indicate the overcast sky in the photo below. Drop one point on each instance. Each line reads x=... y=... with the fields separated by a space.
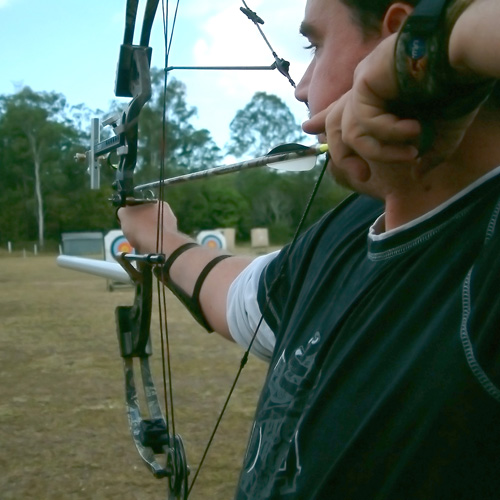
x=71 y=47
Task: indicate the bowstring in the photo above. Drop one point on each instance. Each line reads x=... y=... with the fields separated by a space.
x=161 y=290
x=265 y=309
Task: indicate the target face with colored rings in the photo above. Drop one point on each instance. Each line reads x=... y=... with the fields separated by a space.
x=211 y=239
x=120 y=245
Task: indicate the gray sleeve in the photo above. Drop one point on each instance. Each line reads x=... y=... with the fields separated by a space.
x=244 y=314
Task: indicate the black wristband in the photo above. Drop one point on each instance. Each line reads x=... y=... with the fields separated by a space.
x=173 y=256
x=191 y=303
x=203 y=275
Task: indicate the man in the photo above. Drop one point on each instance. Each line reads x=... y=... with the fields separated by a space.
x=381 y=325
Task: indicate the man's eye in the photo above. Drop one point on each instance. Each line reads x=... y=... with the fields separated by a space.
x=311 y=47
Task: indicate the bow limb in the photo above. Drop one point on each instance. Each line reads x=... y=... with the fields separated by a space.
x=151 y=436
x=133 y=79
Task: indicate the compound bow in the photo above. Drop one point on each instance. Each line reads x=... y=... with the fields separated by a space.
x=155 y=436
x=152 y=436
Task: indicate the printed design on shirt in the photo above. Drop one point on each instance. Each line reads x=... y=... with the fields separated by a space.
x=273 y=461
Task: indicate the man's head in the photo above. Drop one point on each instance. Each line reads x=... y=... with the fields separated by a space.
x=341 y=33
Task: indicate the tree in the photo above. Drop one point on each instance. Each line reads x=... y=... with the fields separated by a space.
x=276 y=199
x=44 y=192
x=184 y=148
x=209 y=204
x=265 y=122
x=34 y=129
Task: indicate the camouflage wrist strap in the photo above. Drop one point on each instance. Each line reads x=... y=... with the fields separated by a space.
x=429 y=87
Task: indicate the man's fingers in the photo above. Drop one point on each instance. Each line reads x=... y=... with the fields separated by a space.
x=388 y=128
x=373 y=150
x=316 y=124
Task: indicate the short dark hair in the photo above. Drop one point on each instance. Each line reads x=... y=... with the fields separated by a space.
x=370 y=13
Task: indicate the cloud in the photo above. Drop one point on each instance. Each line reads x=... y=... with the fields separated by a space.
x=216 y=33
x=229 y=38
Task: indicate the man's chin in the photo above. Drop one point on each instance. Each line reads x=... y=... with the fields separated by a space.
x=342 y=179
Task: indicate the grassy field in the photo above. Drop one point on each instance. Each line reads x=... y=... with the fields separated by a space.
x=63 y=428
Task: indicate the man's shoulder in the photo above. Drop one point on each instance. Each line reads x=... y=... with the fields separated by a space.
x=345 y=226
x=352 y=217
x=356 y=210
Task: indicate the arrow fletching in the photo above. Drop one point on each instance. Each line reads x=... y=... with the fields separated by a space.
x=300 y=163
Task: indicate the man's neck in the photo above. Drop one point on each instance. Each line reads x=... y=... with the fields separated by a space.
x=478 y=153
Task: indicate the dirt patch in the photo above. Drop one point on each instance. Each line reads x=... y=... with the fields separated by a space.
x=63 y=429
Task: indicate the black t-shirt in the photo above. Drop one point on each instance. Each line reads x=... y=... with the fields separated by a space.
x=384 y=383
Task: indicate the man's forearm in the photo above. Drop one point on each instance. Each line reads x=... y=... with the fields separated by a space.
x=141 y=225
x=475 y=39
x=186 y=270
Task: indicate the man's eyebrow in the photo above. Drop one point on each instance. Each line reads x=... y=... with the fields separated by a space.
x=307 y=30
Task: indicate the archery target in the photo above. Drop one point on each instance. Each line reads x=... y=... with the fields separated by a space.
x=211 y=239
x=115 y=243
x=120 y=245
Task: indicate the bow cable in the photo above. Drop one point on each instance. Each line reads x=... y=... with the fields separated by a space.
x=168 y=389
x=281 y=65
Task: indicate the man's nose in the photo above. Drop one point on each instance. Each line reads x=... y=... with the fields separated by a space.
x=301 y=91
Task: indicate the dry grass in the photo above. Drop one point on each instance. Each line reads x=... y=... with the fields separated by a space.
x=63 y=428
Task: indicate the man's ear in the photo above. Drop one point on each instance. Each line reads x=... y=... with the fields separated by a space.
x=395 y=17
